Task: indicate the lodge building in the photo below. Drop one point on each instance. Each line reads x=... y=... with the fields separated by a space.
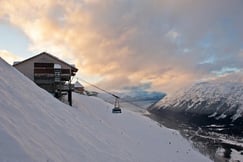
x=49 y=73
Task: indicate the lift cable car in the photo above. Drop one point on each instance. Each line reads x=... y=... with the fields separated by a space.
x=116 y=108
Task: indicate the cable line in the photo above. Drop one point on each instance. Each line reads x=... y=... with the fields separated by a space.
x=116 y=108
x=99 y=88
x=117 y=98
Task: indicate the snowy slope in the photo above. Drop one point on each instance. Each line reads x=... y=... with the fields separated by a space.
x=35 y=127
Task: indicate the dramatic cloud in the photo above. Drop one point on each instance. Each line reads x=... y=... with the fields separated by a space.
x=166 y=43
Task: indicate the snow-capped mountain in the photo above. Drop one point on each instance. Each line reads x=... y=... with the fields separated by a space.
x=36 y=127
x=215 y=101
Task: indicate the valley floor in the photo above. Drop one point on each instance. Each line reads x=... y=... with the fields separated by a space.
x=209 y=140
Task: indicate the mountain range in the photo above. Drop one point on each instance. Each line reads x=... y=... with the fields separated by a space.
x=204 y=104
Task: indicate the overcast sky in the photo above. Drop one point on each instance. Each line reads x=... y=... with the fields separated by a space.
x=157 y=44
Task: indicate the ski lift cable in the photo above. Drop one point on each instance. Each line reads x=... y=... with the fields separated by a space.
x=100 y=88
x=110 y=93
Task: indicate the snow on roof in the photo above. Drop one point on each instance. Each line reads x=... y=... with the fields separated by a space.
x=33 y=130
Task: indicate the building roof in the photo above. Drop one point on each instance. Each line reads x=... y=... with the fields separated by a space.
x=78 y=85
x=45 y=53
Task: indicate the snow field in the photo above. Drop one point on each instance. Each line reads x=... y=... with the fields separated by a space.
x=35 y=127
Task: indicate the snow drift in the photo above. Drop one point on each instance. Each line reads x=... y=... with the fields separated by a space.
x=35 y=127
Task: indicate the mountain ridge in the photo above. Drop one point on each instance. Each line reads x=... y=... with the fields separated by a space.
x=204 y=104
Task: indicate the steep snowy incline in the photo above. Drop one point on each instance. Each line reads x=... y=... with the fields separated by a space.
x=35 y=127
x=215 y=99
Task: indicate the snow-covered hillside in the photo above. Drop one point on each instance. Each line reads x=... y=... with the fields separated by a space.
x=216 y=99
x=35 y=127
